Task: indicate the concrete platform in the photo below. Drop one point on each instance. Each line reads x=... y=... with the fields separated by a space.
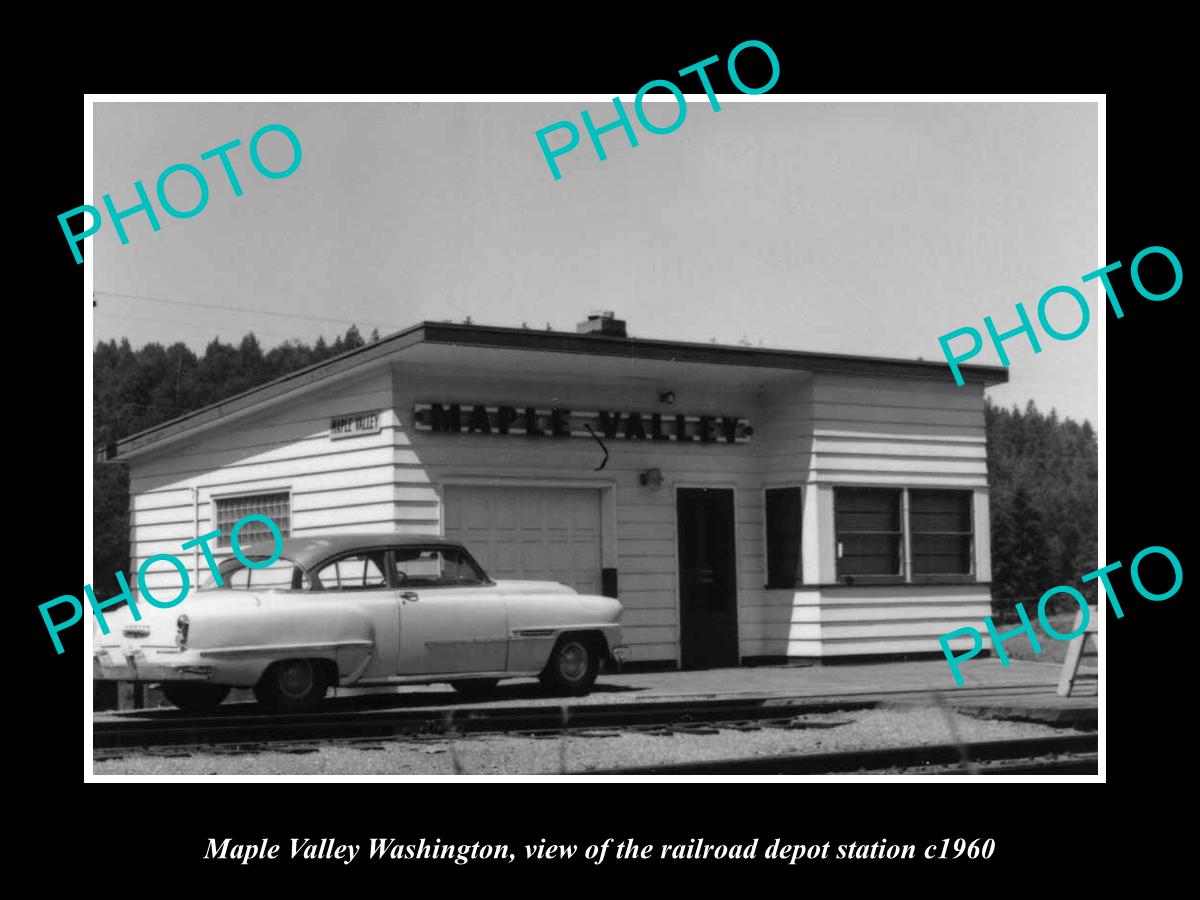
x=1023 y=690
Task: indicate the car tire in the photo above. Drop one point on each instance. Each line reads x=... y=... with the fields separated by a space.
x=292 y=685
x=476 y=688
x=572 y=668
x=195 y=698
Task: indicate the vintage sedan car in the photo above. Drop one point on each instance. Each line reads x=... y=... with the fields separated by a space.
x=359 y=609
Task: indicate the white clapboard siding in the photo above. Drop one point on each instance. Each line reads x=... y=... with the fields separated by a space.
x=764 y=613
x=167 y=515
x=930 y=628
x=649 y=582
x=645 y=616
x=345 y=484
x=783 y=445
x=869 y=414
x=885 y=595
x=901 y=446
x=636 y=531
x=903 y=432
x=838 y=621
x=177 y=531
x=142 y=498
x=832 y=467
x=890 y=645
x=308 y=501
x=874 y=614
x=291 y=424
x=640 y=652
x=867 y=476
x=316 y=449
x=360 y=458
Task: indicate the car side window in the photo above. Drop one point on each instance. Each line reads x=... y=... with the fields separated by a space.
x=282 y=575
x=356 y=572
x=435 y=567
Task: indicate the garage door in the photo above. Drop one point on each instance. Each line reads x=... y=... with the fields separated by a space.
x=531 y=533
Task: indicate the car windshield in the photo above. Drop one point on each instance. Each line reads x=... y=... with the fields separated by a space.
x=281 y=575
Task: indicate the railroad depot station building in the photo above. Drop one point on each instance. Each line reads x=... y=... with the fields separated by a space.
x=744 y=504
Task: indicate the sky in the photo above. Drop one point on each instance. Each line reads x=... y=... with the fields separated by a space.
x=861 y=228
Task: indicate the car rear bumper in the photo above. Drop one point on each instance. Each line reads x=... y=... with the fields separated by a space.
x=141 y=665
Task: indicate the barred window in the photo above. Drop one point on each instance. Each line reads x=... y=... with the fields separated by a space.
x=276 y=507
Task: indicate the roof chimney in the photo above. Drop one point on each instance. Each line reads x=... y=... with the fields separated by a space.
x=602 y=323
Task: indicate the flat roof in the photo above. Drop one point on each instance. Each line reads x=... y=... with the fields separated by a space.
x=527 y=339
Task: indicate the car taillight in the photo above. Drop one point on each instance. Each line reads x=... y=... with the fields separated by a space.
x=181 y=631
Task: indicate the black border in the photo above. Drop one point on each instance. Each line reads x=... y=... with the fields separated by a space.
x=135 y=831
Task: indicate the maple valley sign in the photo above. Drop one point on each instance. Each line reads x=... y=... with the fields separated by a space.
x=529 y=421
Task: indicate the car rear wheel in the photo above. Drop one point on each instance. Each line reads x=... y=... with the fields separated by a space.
x=572 y=668
x=476 y=688
x=294 y=685
x=195 y=698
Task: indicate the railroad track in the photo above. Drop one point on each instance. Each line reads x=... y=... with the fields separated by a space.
x=251 y=730
x=257 y=729
x=1076 y=754
x=1067 y=754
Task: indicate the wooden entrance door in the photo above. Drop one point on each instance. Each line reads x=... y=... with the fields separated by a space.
x=707 y=577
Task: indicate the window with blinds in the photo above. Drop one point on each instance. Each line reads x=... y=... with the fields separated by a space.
x=940 y=523
x=903 y=534
x=276 y=507
x=869 y=536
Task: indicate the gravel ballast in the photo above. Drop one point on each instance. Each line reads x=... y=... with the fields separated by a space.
x=585 y=751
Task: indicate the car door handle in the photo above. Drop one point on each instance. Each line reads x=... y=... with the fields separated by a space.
x=409 y=595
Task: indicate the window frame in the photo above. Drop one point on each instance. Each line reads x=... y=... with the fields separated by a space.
x=318 y=585
x=486 y=579
x=231 y=565
x=944 y=577
x=798 y=580
x=907 y=574
x=899 y=577
x=225 y=540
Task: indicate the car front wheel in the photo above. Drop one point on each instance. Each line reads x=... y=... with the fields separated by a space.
x=294 y=685
x=195 y=698
x=572 y=668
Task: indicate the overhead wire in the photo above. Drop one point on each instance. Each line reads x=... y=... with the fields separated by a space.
x=246 y=310
x=209 y=325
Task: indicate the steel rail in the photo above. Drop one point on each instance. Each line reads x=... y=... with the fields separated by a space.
x=360 y=724
x=1076 y=753
x=167 y=729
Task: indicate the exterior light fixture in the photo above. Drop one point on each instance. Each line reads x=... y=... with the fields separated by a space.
x=651 y=478
x=666 y=397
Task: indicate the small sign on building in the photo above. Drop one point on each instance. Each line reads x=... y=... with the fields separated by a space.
x=355 y=424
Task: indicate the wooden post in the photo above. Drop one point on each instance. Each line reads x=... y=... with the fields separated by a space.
x=1075 y=648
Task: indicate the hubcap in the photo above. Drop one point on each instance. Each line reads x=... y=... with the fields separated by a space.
x=295 y=677
x=572 y=661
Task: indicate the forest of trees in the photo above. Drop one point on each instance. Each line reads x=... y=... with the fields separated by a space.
x=1042 y=472
x=1043 y=494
